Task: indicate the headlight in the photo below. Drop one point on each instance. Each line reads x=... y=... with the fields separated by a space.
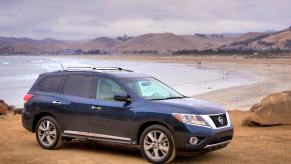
x=190 y=119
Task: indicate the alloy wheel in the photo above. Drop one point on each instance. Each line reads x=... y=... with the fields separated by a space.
x=156 y=145
x=47 y=133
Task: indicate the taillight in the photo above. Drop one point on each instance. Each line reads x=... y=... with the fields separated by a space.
x=27 y=97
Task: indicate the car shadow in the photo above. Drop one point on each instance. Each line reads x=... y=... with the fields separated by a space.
x=104 y=147
x=128 y=150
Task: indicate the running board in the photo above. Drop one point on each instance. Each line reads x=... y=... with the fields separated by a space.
x=97 y=137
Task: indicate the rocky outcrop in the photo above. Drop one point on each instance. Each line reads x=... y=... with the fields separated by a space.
x=4 y=108
x=17 y=111
x=275 y=109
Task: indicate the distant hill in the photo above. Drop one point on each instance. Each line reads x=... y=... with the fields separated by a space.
x=152 y=43
x=281 y=40
x=20 y=45
x=172 y=42
x=249 y=37
x=155 y=41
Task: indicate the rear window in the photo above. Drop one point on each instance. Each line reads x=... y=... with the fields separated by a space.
x=80 y=85
x=49 y=84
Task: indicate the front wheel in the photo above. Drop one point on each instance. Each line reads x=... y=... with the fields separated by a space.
x=157 y=144
x=48 y=133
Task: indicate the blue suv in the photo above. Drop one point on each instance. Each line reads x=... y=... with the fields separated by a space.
x=121 y=106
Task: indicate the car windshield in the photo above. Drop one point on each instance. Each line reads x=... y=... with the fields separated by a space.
x=152 y=89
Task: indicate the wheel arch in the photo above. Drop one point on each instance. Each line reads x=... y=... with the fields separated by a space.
x=147 y=124
x=38 y=117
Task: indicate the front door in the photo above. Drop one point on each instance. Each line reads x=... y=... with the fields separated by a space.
x=110 y=118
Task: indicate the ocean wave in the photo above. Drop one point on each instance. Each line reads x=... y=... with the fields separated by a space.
x=18 y=78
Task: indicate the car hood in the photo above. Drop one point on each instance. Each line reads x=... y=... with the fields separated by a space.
x=189 y=105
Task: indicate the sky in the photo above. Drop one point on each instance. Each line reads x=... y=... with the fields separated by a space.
x=84 y=19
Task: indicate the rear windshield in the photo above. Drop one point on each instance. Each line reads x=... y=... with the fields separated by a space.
x=49 y=84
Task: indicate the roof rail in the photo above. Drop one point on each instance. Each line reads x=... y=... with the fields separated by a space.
x=98 y=68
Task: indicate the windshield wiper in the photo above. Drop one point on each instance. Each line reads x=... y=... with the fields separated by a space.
x=174 y=98
x=168 y=98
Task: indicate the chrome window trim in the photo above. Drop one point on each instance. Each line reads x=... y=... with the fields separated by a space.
x=96 y=135
x=211 y=123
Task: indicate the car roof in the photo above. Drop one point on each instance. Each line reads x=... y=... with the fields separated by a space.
x=111 y=71
x=122 y=75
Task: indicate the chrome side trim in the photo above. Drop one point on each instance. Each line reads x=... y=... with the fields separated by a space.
x=96 y=135
x=217 y=144
x=211 y=123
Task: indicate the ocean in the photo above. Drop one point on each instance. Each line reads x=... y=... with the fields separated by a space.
x=18 y=73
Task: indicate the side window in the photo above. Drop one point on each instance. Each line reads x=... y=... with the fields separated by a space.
x=50 y=84
x=79 y=85
x=107 y=88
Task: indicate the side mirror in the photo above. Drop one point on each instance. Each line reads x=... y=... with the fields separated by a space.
x=122 y=97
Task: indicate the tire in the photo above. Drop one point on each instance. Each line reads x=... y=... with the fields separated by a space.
x=157 y=139
x=49 y=138
x=67 y=139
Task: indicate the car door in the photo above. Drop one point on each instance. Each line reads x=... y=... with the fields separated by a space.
x=110 y=118
x=78 y=95
x=46 y=95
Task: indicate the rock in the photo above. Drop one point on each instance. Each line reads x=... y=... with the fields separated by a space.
x=248 y=122
x=3 y=108
x=254 y=108
x=274 y=109
x=11 y=107
x=17 y=111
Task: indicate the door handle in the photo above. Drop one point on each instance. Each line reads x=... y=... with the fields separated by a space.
x=56 y=102
x=96 y=107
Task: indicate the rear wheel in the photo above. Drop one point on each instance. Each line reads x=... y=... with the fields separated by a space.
x=157 y=144
x=48 y=133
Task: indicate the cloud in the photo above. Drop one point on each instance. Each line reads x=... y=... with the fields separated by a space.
x=80 y=19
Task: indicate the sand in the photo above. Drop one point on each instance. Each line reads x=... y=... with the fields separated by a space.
x=249 y=145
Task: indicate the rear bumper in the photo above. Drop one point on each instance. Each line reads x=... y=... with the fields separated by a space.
x=27 y=121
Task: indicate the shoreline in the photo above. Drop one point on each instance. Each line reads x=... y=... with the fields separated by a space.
x=272 y=72
x=269 y=76
x=193 y=78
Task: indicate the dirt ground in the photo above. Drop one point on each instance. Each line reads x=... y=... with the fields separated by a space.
x=249 y=145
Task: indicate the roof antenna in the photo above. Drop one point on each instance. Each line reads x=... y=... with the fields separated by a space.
x=62 y=66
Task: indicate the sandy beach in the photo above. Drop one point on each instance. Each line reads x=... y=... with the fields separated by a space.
x=250 y=144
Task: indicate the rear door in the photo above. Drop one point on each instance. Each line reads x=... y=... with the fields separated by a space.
x=75 y=103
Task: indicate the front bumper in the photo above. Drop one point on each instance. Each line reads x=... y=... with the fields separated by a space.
x=209 y=139
x=217 y=145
